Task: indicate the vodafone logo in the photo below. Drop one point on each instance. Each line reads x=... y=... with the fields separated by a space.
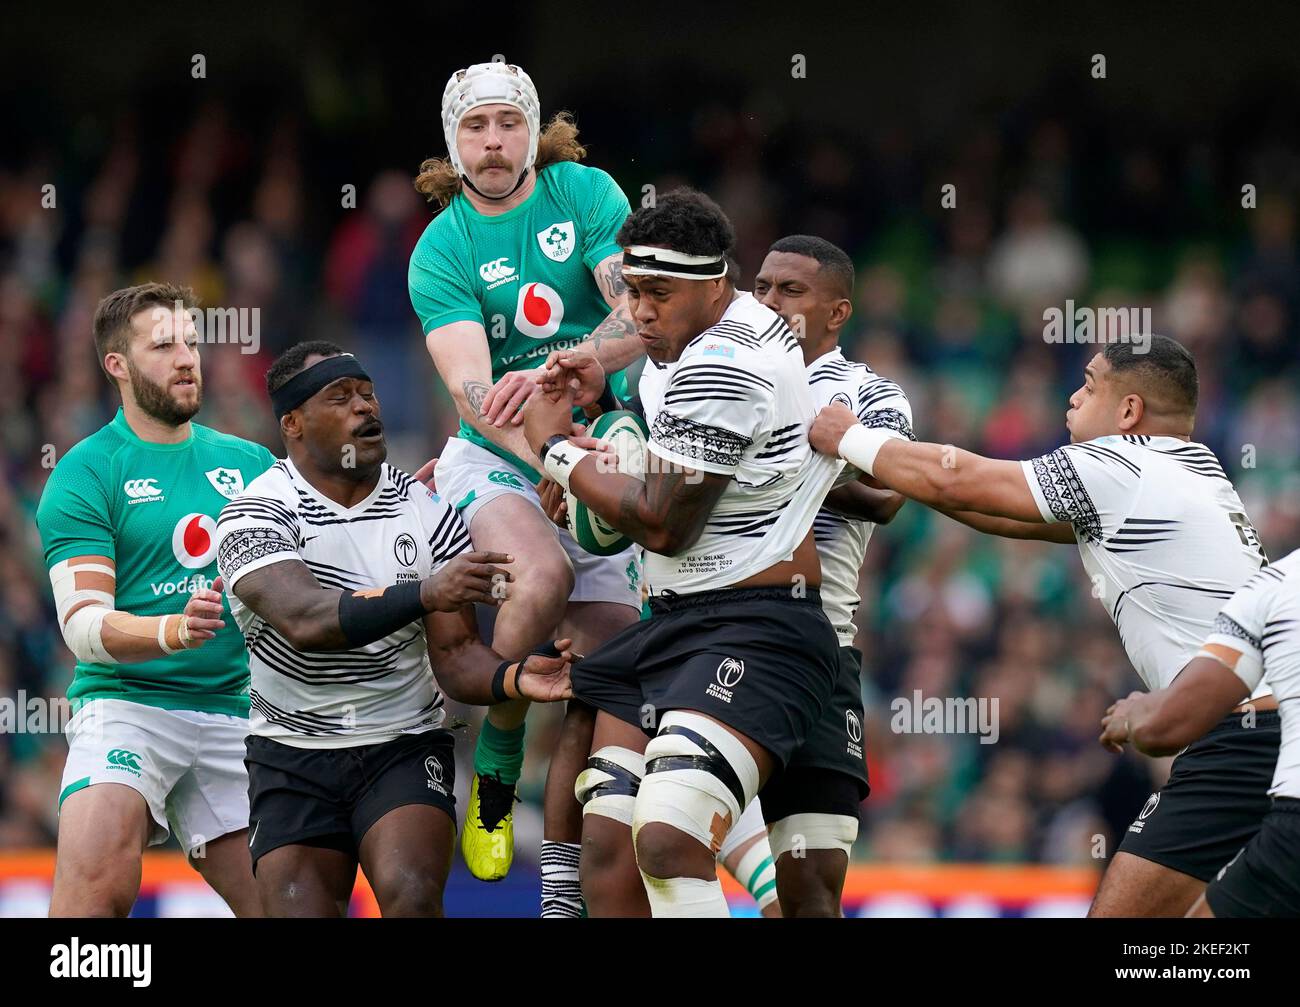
x=540 y=311
x=194 y=541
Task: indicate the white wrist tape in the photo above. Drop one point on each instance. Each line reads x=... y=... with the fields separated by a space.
x=162 y=636
x=859 y=445
x=561 y=460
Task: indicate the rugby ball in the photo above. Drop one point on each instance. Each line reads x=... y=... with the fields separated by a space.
x=626 y=433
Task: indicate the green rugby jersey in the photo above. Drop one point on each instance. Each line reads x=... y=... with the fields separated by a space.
x=152 y=509
x=525 y=275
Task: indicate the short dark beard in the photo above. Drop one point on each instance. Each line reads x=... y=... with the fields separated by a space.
x=155 y=401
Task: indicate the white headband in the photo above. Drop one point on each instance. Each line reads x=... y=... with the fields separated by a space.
x=649 y=260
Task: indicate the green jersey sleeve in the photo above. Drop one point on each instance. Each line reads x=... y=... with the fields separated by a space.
x=607 y=209
x=73 y=515
x=440 y=291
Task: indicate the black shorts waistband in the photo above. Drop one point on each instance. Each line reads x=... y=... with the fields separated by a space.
x=1291 y=805
x=1232 y=722
x=670 y=601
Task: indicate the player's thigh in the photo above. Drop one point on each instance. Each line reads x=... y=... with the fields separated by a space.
x=590 y=623
x=103 y=832
x=1133 y=886
x=304 y=880
x=512 y=523
x=123 y=760
x=404 y=823
x=227 y=866
x=406 y=856
x=813 y=814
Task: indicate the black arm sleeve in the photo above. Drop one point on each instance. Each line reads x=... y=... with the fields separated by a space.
x=365 y=617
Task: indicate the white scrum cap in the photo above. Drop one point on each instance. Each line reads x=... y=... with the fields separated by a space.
x=490 y=84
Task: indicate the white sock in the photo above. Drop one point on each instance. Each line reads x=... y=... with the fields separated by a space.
x=685 y=898
x=561 y=890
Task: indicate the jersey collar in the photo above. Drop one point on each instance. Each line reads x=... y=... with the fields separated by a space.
x=300 y=480
x=124 y=430
x=834 y=352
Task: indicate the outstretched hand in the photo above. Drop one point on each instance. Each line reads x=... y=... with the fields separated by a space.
x=546 y=679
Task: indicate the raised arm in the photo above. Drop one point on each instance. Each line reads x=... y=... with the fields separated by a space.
x=939 y=475
x=460 y=352
x=613 y=342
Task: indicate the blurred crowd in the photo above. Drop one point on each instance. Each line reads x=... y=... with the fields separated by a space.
x=949 y=302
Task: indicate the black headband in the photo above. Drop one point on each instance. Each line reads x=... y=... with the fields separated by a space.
x=303 y=385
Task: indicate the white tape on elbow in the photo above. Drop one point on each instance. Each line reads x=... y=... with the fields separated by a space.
x=813 y=832
x=609 y=785
x=83 y=633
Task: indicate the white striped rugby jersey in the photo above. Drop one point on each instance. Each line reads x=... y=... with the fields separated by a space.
x=842 y=540
x=1262 y=623
x=1162 y=533
x=737 y=403
x=400 y=533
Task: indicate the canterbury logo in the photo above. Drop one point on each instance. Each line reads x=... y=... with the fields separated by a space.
x=127 y=760
x=139 y=488
x=496 y=270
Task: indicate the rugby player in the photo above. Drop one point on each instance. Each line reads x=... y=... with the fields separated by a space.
x=809 y=282
x=1166 y=539
x=520 y=261
x=1256 y=636
x=347 y=578
x=128 y=523
x=738 y=659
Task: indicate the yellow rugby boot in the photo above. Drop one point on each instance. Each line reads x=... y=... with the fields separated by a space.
x=488 y=839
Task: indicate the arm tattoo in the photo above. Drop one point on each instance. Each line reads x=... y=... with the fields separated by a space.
x=614 y=285
x=617 y=325
x=475 y=393
x=675 y=500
